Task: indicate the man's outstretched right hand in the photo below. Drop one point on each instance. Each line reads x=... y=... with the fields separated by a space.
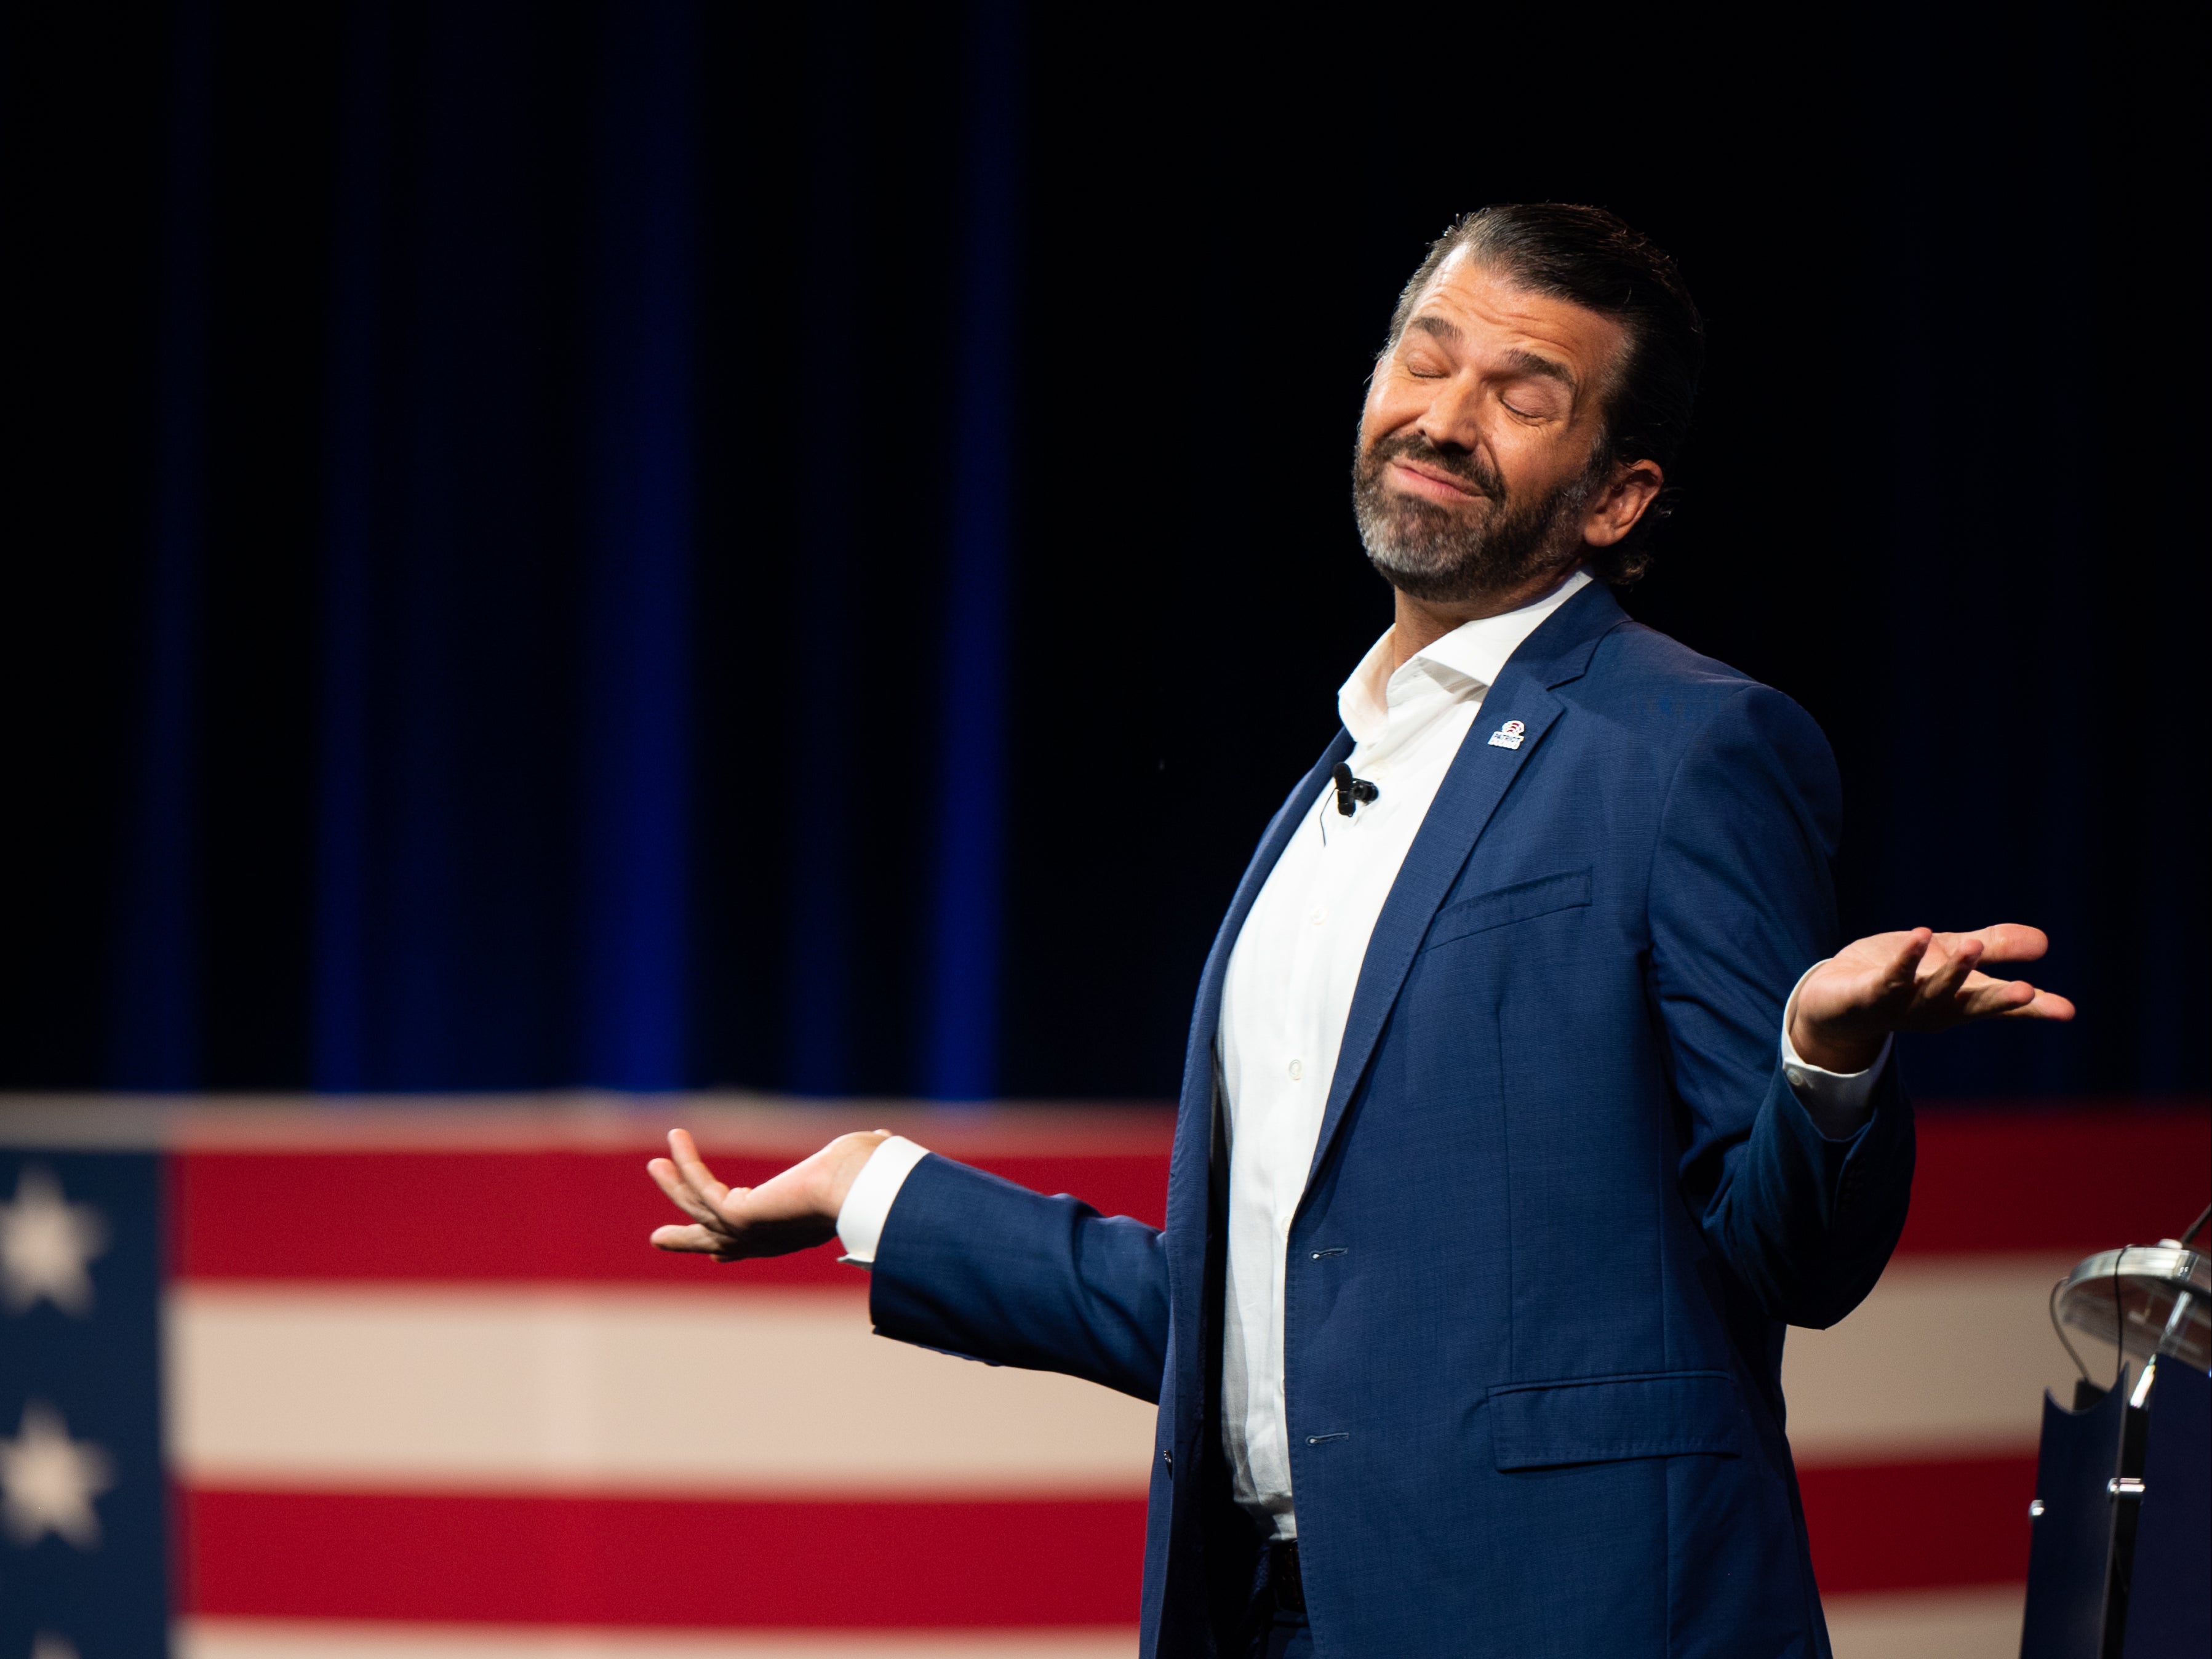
x=794 y=1210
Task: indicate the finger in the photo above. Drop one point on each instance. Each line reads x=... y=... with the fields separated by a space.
x=2011 y=941
x=693 y=1169
x=2046 y=1004
x=1949 y=970
x=671 y=1181
x=1898 y=974
x=708 y=1194
x=699 y=1241
x=1984 y=997
x=676 y=1171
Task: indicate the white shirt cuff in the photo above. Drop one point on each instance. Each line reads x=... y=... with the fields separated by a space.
x=868 y=1201
x=1838 y=1102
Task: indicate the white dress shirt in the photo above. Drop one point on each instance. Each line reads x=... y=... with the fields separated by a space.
x=1286 y=996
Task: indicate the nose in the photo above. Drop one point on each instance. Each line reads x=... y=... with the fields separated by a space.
x=1451 y=420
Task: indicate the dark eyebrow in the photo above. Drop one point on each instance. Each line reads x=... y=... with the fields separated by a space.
x=1544 y=368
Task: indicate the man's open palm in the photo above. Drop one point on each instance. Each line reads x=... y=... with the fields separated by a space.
x=1919 y=981
x=794 y=1210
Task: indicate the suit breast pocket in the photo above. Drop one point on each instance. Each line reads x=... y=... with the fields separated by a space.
x=1524 y=901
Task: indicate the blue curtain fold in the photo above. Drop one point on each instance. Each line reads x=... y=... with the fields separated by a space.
x=634 y=951
x=960 y=1058
x=155 y=1002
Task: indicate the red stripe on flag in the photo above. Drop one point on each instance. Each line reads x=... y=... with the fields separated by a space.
x=594 y=1560
x=556 y=1216
x=887 y=1564
x=1988 y=1181
x=1918 y=1526
x=2068 y=1182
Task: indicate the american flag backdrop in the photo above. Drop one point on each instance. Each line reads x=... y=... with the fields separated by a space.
x=360 y=1382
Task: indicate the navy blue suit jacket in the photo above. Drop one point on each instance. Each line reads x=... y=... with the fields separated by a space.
x=1563 y=1205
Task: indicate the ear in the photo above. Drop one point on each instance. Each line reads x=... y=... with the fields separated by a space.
x=1632 y=488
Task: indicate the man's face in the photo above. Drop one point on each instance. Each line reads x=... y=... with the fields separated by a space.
x=1478 y=469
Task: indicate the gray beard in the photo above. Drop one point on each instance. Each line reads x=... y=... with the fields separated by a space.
x=1452 y=555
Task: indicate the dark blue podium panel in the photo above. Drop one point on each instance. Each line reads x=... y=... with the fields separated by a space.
x=2170 y=1604
x=2071 y=1546
x=83 y=1509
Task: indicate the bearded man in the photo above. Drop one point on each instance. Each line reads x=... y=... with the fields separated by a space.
x=1525 y=1106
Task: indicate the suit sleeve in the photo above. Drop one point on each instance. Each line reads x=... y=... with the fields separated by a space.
x=1742 y=902
x=975 y=1266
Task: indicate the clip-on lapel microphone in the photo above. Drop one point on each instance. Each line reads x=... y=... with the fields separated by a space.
x=1350 y=792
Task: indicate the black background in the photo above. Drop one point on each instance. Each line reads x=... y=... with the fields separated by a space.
x=1945 y=489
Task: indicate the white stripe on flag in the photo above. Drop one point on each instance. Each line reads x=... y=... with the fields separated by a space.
x=789 y=1391
x=633 y=1390
x=1972 y=1624
x=1949 y=1356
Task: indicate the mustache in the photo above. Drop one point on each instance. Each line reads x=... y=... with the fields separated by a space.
x=1467 y=465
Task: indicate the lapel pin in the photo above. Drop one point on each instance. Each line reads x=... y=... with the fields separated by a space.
x=1508 y=735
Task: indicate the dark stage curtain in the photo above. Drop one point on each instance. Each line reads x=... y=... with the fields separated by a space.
x=666 y=546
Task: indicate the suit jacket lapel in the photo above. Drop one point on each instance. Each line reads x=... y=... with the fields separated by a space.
x=1480 y=775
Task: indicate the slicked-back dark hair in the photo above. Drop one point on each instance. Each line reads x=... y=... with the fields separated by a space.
x=1586 y=255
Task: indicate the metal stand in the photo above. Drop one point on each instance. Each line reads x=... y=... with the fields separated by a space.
x=2078 y=1563
x=2170 y=1606
x=2113 y=1575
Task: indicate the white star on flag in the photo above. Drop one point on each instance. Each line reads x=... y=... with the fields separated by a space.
x=46 y=1245
x=48 y=1481
x=47 y=1646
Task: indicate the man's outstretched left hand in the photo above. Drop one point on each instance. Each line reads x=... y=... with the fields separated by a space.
x=1920 y=980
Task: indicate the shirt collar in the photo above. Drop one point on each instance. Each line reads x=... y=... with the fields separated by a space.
x=1466 y=661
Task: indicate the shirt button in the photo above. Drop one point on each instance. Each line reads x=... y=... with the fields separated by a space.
x=1319 y=915
x=1297 y=1070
